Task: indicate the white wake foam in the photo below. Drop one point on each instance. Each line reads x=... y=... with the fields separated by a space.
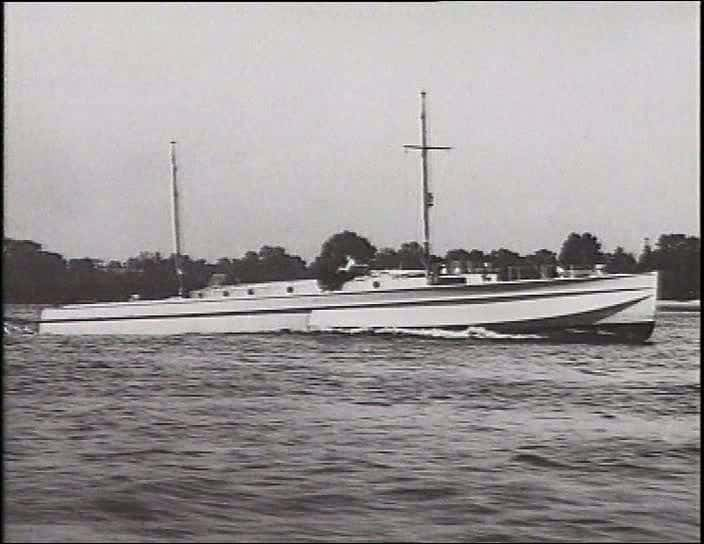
x=469 y=332
x=15 y=329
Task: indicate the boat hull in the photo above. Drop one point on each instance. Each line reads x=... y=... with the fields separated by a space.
x=623 y=305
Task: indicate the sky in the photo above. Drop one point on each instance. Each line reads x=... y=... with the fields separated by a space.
x=291 y=119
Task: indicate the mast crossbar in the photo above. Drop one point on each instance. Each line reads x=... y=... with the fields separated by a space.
x=425 y=147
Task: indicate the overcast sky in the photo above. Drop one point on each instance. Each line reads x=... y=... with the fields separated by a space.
x=290 y=121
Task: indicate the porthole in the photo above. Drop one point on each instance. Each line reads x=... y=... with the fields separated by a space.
x=289 y=289
x=250 y=291
x=376 y=285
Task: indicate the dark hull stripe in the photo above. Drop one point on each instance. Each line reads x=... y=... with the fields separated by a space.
x=444 y=302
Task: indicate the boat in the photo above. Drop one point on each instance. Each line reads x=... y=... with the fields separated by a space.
x=572 y=302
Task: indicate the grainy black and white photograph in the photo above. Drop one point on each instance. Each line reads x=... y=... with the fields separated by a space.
x=351 y=272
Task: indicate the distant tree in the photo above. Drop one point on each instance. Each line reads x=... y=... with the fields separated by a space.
x=83 y=285
x=277 y=265
x=334 y=254
x=505 y=261
x=31 y=275
x=477 y=258
x=51 y=277
x=134 y=264
x=457 y=260
x=115 y=267
x=543 y=257
x=647 y=259
x=620 y=262
x=271 y=252
x=246 y=269
x=225 y=266
x=541 y=264
x=196 y=273
x=504 y=257
x=386 y=258
x=411 y=256
x=583 y=251
x=461 y=255
x=678 y=258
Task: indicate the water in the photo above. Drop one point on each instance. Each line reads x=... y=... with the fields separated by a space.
x=327 y=437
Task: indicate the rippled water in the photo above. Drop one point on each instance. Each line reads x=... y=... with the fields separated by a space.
x=328 y=437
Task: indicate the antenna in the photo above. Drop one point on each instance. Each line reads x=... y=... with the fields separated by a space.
x=427 y=196
x=176 y=222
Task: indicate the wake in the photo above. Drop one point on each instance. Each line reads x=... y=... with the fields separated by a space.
x=18 y=327
x=14 y=327
x=477 y=333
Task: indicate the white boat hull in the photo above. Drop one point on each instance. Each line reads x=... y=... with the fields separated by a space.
x=616 y=302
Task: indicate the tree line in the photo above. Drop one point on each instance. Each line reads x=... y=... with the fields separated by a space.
x=32 y=275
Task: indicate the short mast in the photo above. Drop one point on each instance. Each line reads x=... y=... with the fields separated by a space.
x=427 y=196
x=176 y=222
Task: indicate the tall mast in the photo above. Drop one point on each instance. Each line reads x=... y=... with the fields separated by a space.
x=176 y=222
x=427 y=196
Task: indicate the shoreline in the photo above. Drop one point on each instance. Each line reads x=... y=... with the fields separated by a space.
x=680 y=305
